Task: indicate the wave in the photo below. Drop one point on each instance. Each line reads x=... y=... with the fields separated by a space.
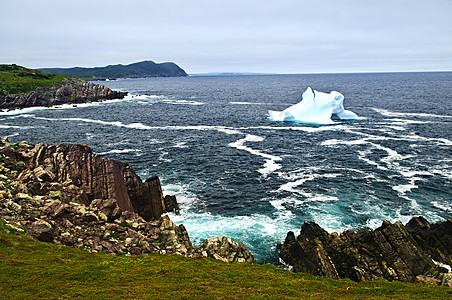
x=388 y=113
x=247 y=103
x=119 y=151
x=270 y=163
x=28 y=110
x=5 y=126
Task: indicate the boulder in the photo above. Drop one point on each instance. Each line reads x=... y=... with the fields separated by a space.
x=171 y=204
x=41 y=230
x=109 y=207
x=227 y=250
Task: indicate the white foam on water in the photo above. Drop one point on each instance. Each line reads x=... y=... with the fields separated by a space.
x=449 y=269
x=119 y=151
x=246 y=229
x=309 y=129
x=388 y=113
x=181 y=102
x=229 y=131
x=62 y=106
x=333 y=142
x=180 y=145
x=270 y=164
x=443 y=206
x=13 y=134
x=393 y=127
x=247 y=103
x=329 y=222
x=162 y=155
x=16 y=127
x=403 y=188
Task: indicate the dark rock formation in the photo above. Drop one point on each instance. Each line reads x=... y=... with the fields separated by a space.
x=74 y=91
x=391 y=252
x=434 y=239
x=67 y=194
x=74 y=173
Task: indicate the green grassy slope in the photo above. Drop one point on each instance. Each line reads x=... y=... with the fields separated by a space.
x=30 y=269
x=15 y=79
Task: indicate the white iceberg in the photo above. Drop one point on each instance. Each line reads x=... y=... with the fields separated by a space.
x=315 y=107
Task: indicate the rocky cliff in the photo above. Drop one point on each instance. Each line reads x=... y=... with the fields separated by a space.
x=73 y=91
x=392 y=252
x=67 y=194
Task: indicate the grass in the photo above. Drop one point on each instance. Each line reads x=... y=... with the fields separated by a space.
x=15 y=79
x=31 y=269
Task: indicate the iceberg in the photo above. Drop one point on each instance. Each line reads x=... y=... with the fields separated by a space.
x=315 y=107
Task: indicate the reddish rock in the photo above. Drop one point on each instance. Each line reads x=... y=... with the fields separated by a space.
x=99 y=178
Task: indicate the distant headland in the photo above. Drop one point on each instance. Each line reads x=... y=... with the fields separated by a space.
x=135 y=70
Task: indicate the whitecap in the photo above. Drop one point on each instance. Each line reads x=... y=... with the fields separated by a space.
x=62 y=106
x=270 y=164
x=119 y=151
x=247 y=103
x=403 y=114
x=443 y=206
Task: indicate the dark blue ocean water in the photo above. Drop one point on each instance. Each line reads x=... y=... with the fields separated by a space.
x=238 y=174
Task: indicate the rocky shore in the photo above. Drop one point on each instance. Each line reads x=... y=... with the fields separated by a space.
x=73 y=91
x=67 y=194
x=416 y=252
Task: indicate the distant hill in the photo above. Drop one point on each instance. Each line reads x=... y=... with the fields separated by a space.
x=135 y=70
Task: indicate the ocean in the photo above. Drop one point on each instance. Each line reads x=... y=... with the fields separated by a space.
x=238 y=174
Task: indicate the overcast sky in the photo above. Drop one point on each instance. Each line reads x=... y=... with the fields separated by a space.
x=283 y=36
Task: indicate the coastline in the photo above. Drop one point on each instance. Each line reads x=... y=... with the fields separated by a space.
x=51 y=203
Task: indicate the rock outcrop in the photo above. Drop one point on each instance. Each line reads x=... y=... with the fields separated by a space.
x=67 y=194
x=225 y=249
x=391 y=252
x=74 y=173
x=73 y=91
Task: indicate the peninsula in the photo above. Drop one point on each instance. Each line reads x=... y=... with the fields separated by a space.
x=136 y=70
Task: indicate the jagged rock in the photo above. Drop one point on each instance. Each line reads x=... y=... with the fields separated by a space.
x=109 y=207
x=85 y=176
x=43 y=174
x=389 y=252
x=435 y=239
x=446 y=280
x=227 y=250
x=82 y=200
x=171 y=204
x=174 y=235
x=41 y=231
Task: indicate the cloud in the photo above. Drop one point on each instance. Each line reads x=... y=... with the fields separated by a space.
x=262 y=36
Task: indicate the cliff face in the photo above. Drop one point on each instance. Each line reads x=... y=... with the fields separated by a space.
x=85 y=176
x=391 y=252
x=73 y=91
x=68 y=194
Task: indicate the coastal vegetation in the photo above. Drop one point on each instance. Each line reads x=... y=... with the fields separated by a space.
x=22 y=87
x=32 y=269
x=16 y=79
